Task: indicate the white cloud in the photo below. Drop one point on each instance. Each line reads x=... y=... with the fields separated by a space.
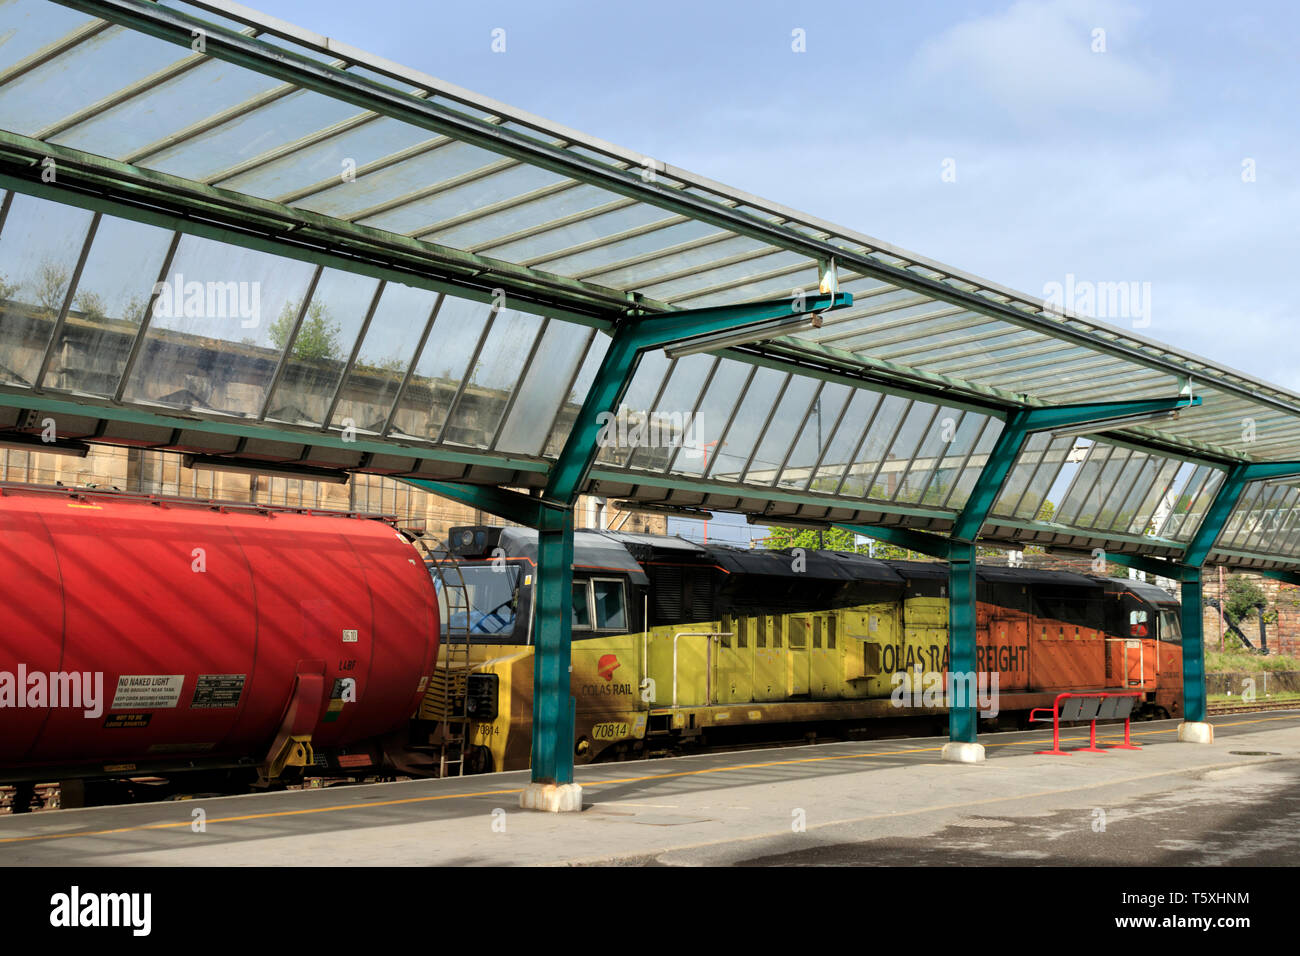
x=1036 y=59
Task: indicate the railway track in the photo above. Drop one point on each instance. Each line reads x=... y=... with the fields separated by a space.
x=1245 y=708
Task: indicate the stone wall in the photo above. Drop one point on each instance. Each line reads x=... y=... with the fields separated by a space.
x=144 y=471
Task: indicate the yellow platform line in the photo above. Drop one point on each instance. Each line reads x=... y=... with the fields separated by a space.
x=587 y=786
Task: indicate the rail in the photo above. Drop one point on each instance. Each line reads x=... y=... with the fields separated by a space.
x=1091 y=706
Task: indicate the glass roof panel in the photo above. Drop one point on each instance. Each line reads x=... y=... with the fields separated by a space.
x=454 y=341
x=324 y=161
x=319 y=354
x=725 y=393
x=974 y=465
x=110 y=60
x=109 y=304
x=860 y=478
x=666 y=421
x=30 y=26
x=211 y=343
x=780 y=431
x=569 y=410
x=38 y=252
x=1034 y=504
x=737 y=445
x=1031 y=456
x=387 y=348
x=844 y=444
x=544 y=386
x=814 y=435
x=244 y=137
x=472 y=192
x=638 y=401
x=941 y=432
x=490 y=383
x=160 y=109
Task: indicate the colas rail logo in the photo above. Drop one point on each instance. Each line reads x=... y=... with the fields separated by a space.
x=605 y=667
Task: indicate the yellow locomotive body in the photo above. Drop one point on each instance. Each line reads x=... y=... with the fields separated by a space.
x=743 y=674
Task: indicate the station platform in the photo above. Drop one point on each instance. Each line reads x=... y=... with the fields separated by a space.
x=888 y=802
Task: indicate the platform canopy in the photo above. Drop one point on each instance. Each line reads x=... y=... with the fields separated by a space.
x=229 y=236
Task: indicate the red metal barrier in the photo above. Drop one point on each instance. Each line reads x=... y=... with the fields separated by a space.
x=1055 y=711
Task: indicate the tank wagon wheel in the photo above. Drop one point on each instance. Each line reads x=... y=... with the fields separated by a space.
x=478 y=760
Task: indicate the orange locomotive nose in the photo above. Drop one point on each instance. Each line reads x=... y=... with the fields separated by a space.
x=606 y=666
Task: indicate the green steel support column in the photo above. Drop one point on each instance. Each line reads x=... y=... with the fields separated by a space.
x=1193 y=647
x=553 y=704
x=960 y=548
x=1207 y=533
x=962 y=717
x=966 y=528
x=552 y=514
x=963 y=720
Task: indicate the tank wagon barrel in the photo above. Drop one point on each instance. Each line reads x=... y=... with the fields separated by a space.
x=141 y=636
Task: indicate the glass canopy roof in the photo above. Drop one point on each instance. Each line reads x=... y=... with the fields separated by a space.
x=259 y=241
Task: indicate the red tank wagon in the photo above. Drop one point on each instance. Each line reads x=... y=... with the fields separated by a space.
x=220 y=636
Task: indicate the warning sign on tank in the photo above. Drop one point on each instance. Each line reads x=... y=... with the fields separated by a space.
x=147 y=691
x=215 y=691
x=126 y=721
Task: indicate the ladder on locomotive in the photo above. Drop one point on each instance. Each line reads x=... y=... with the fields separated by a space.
x=445 y=698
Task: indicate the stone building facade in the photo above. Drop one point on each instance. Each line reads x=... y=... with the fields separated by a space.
x=142 y=471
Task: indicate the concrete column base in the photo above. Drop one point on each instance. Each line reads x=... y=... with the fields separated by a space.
x=552 y=798
x=963 y=753
x=1195 y=732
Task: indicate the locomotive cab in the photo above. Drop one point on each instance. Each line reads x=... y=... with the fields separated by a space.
x=1147 y=655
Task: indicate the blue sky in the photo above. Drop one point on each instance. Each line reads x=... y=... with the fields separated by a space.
x=1122 y=165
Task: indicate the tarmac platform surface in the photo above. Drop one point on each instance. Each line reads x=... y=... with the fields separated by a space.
x=884 y=802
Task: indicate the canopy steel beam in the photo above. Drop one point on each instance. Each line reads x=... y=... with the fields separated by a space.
x=1157 y=566
x=1021 y=423
x=932 y=545
x=1277 y=574
x=633 y=337
x=1226 y=500
x=184 y=420
x=108 y=186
